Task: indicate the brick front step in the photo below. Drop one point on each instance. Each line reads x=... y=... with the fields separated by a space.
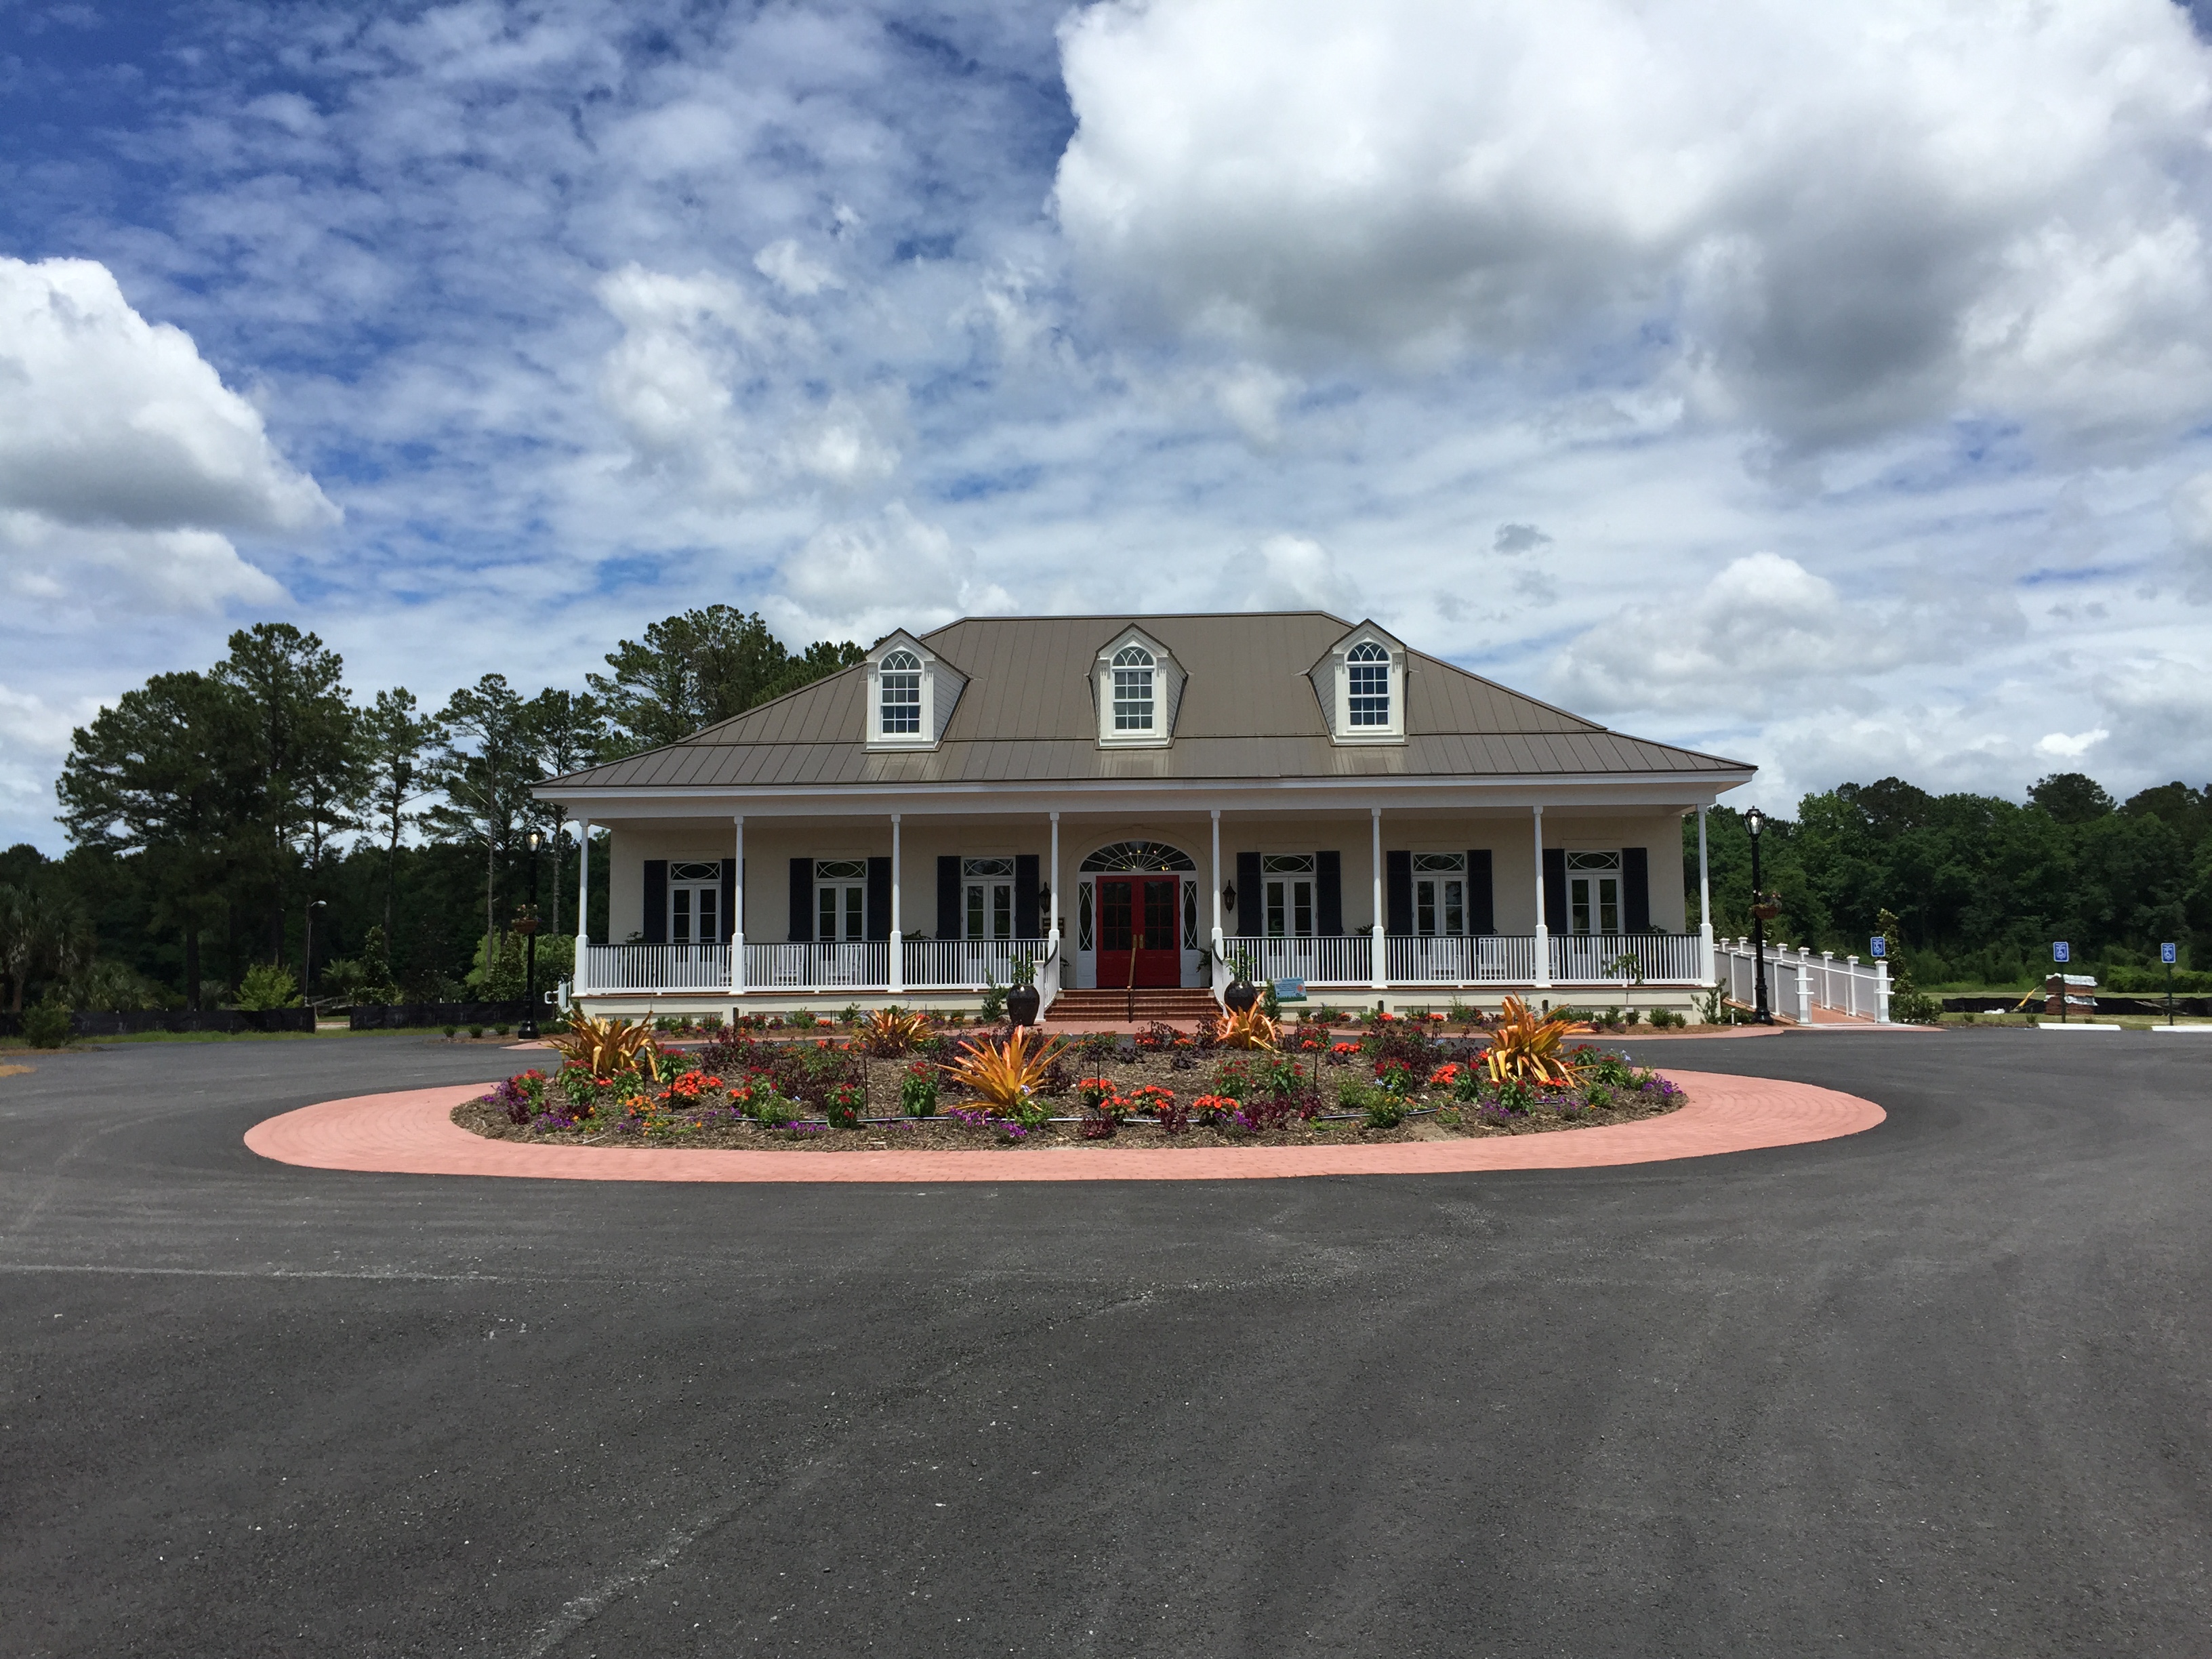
x=1174 y=1006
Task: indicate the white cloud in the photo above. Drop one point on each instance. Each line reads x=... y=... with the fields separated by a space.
x=783 y=264
x=1762 y=631
x=1288 y=573
x=1830 y=220
x=2070 y=746
x=63 y=571
x=106 y=419
x=861 y=578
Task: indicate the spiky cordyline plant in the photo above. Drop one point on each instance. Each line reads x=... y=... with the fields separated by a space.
x=1249 y=1029
x=894 y=1030
x=1524 y=1050
x=1005 y=1074
x=606 y=1048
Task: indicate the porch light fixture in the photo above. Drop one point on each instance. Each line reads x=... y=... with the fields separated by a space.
x=1754 y=821
x=1229 y=895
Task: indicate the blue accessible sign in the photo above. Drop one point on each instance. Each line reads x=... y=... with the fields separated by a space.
x=1877 y=946
x=2061 y=951
x=2169 y=955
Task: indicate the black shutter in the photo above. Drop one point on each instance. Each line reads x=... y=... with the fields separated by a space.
x=1251 y=902
x=802 y=900
x=729 y=899
x=1328 y=893
x=879 y=898
x=948 y=898
x=1025 y=896
x=1636 y=889
x=655 y=930
x=1482 y=907
x=1398 y=891
x=1555 y=890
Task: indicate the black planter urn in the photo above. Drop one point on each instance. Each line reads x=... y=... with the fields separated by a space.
x=1240 y=994
x=1022 y=1004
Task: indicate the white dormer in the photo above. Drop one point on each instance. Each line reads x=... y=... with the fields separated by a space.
x=1137 y=686
x=1361 y=683
x=911 y=693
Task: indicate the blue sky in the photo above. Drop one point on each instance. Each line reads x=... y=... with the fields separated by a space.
x=1829 y=388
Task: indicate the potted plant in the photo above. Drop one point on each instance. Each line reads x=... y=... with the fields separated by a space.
x=1023 y=999
x=1240 y=994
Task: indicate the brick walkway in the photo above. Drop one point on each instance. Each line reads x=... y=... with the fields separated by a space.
x=410 y=1132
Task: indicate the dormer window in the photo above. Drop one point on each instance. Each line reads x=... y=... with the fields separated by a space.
x=1368 y=691
x=900 y=685
x=1136 y=685
x=1361 y=683
x=1132 y=689
x=911 y=692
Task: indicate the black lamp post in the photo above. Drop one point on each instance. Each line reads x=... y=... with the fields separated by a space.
x=527 y=1028
x=1754 y=821
x=307 y=953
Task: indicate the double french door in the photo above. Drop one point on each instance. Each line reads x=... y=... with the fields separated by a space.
x=1139 y=940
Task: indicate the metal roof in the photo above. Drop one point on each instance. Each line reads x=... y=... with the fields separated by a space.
x=1247 y=712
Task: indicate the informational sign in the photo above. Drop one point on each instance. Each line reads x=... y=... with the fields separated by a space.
x=2169 y=955
x=2061 y=951
x=1877 y=947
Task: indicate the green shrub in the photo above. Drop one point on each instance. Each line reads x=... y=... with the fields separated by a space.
x=1385 y=1110
x=47 y=1025
x=476 y=1030
x=918 y=1092
x=268 y=985
x=451 y=1030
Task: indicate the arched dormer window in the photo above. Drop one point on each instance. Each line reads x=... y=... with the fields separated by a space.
x=1361 y=683
x=1134 y=702
x=911 y=691
x=1367 y=692
x=899 y=683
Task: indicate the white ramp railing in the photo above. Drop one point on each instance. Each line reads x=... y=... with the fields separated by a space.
x=1799 y=981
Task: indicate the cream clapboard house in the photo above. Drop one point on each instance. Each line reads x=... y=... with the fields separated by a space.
x=1139 y=802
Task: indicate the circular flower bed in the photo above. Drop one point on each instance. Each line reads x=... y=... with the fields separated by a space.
x=1396 y=1081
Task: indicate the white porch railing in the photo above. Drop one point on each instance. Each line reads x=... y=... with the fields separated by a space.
x=1797 y=981
x=968 y=965
x=1477 y=959
x=1333 y=959
x=859 y=965
x=1596 y=959
x=656 y=967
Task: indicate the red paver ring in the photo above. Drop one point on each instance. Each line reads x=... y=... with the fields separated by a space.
x=411 y=1133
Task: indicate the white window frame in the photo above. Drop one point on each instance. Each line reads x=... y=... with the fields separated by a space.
x=899 y=717
x=1332 y=680
x=845 y=878
x=940 y=686
x=1168 y=681
x=986 y=887
x=693 y=896
x=1590 y=871
x=1443 y=911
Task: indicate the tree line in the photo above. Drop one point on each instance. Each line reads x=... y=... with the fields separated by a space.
x=1981 y=885
x=227 y=820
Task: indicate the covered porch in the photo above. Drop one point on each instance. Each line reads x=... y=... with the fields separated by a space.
x=1421 y=902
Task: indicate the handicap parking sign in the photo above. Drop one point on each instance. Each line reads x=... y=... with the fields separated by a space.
x=2061 y=951
x=1878 y=946
x=2167 y=955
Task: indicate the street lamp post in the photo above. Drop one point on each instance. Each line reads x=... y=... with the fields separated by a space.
x=528 y=927
x=1754 y=821
x=307 y=953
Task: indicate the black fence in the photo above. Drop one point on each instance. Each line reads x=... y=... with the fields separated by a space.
x=391 y=1017
x=94 y=1022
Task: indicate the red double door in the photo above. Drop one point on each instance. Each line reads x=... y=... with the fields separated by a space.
x=1138 y=928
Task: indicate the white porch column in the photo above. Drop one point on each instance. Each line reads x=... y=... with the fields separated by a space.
x=1704 y=905
x=1543 y=928
x=1217 y=873
x=1375 y=857
x=738 y=912
x=898 y=940
x=1052 y=910
x=580 y=982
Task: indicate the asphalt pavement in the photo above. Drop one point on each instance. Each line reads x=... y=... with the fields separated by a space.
x=1944 y=1387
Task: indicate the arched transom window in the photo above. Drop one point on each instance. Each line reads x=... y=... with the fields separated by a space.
x=1370 y=689
x=1133 y=689
x=900 y=678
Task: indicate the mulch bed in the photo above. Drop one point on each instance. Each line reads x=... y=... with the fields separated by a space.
x=1441 y=1118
